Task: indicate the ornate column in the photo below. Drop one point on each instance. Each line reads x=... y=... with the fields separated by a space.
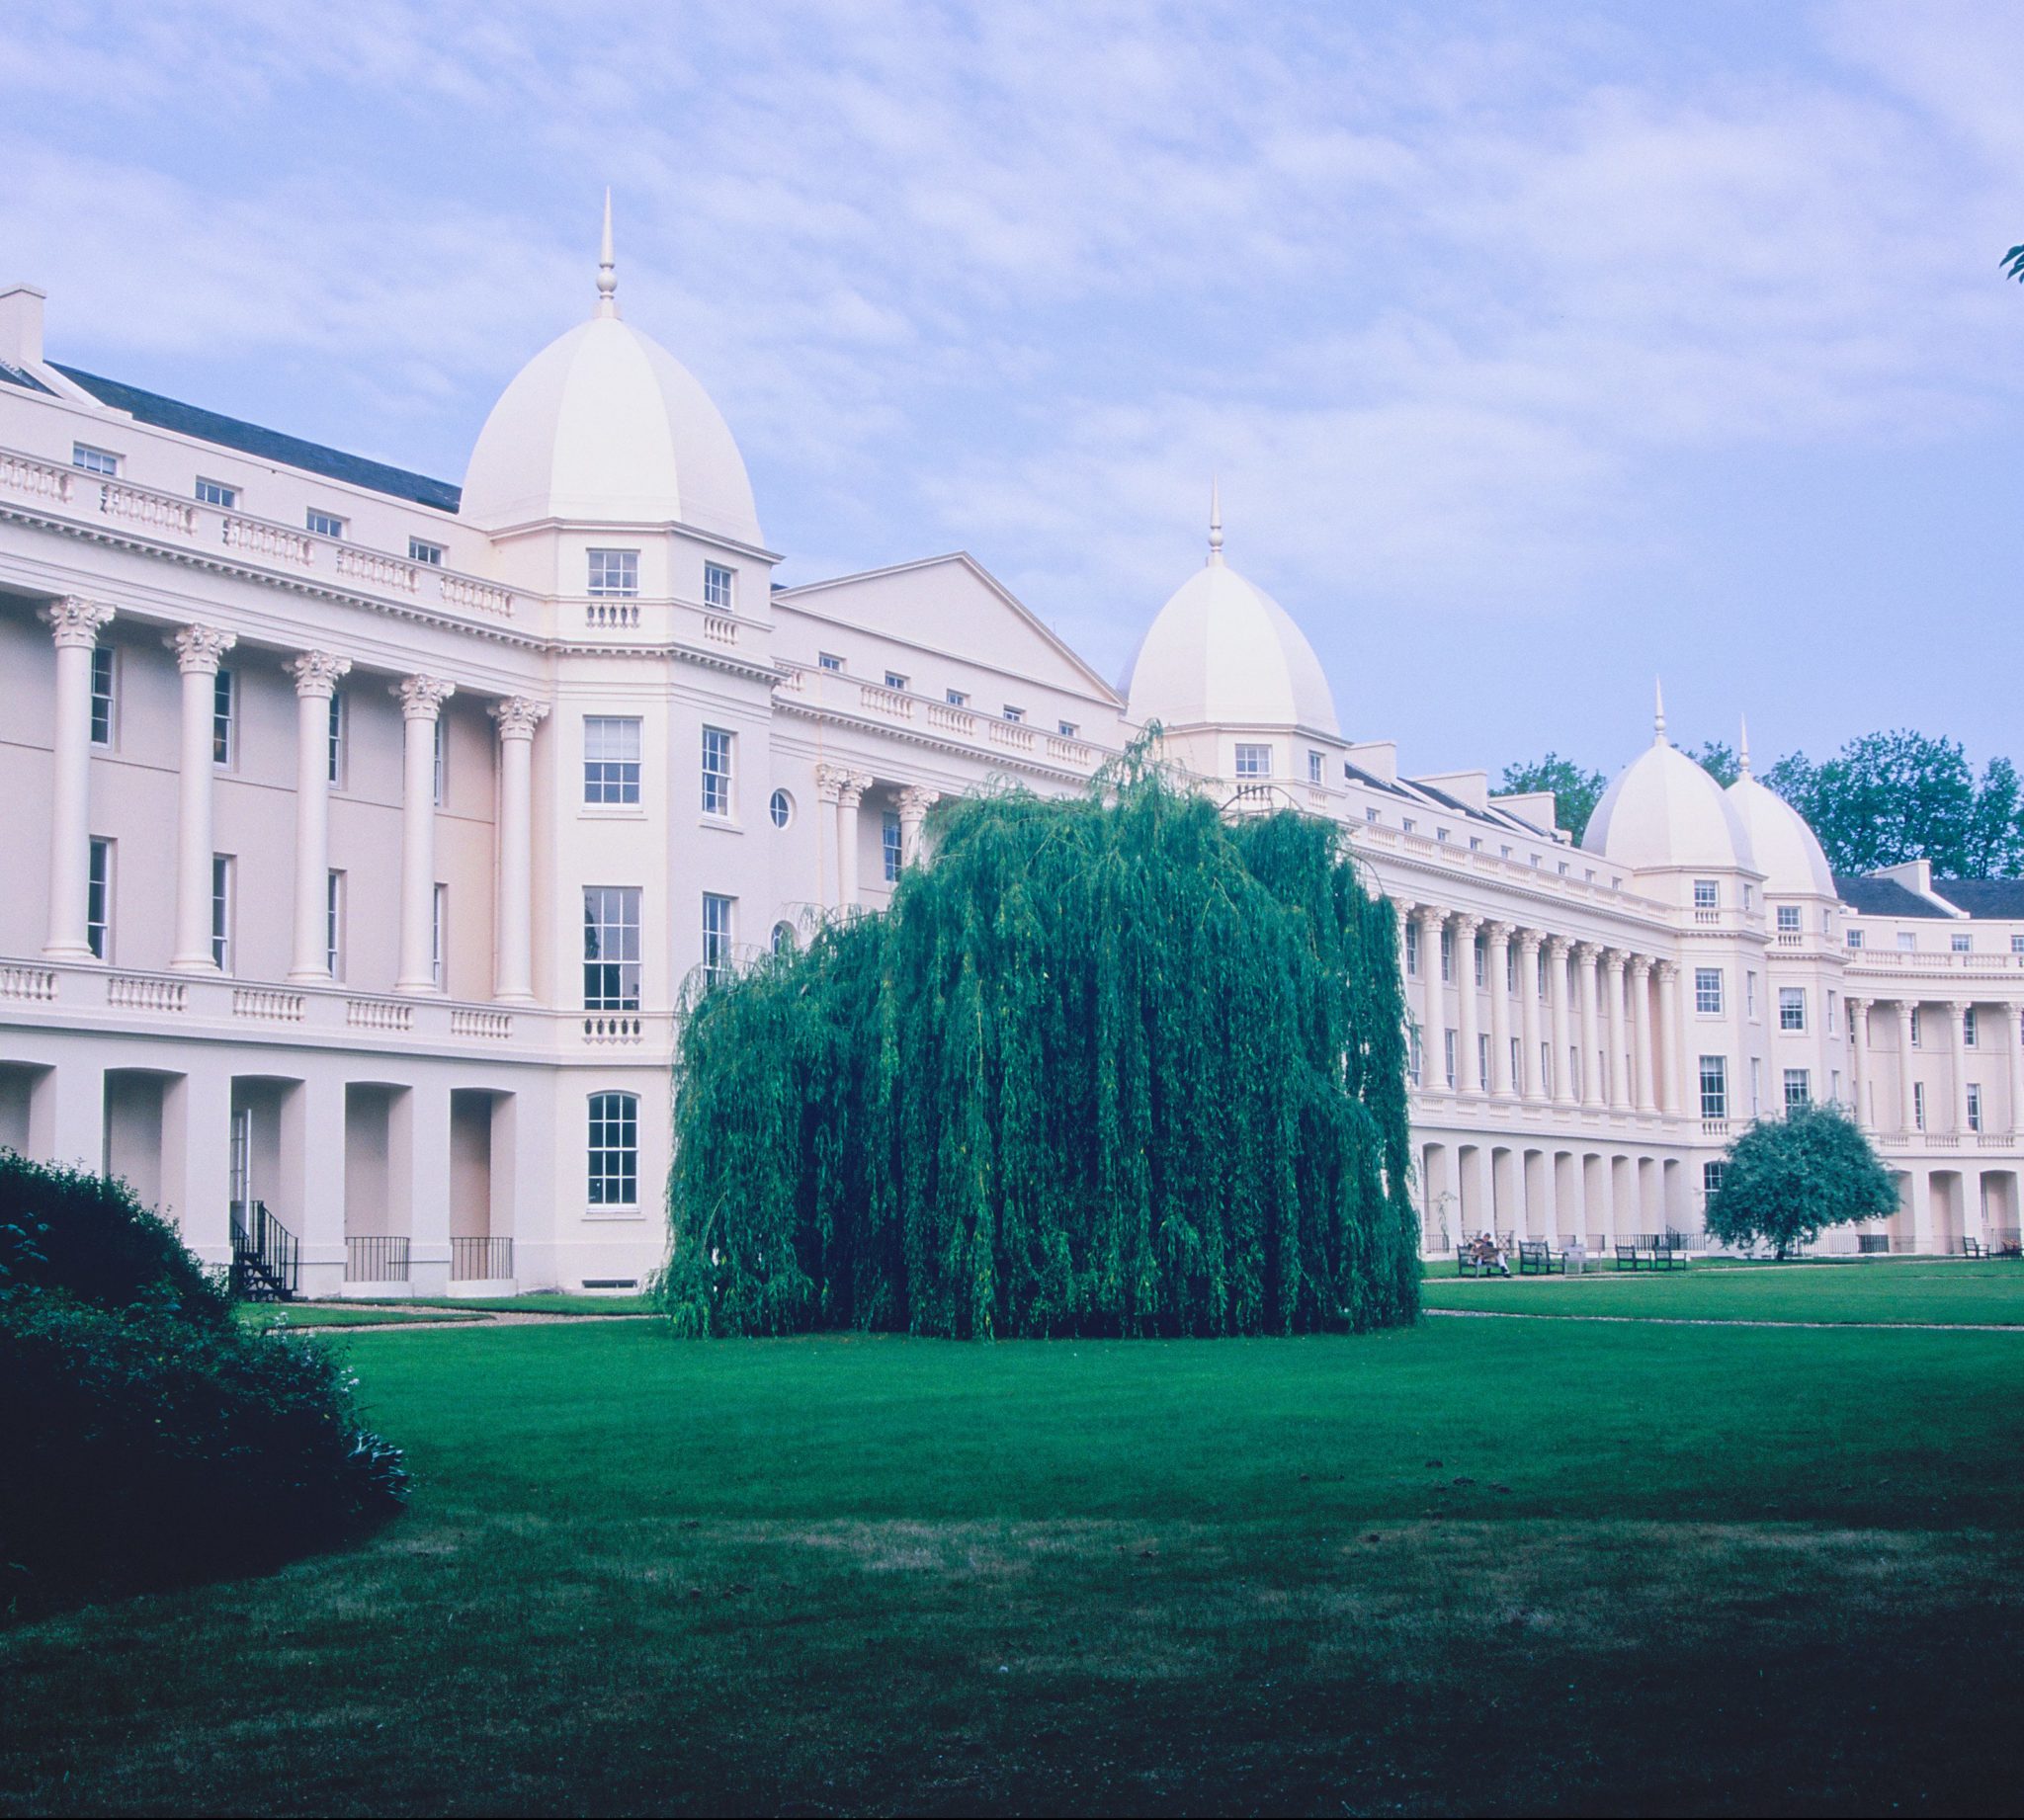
x=198 y=650
x=1468 y=1071
x=1619 y=1056
x=421 y=701
x=1433 y=1033
x=1585 y=953
x=2013 y=1042
x=75 y=626
x=1858 y=1013
x=1669 y=1036
x=513 y=953
x=316 y=675
x=1907 y=1111
x=839 y=785
x=1501 y=1081
x=1956 y=1015
x=1641 y=1031
x=915 y=801
x=1562 y=1080
x=1529 y=1083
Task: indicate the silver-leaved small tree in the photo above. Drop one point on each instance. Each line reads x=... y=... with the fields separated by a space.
x=1788 y=1180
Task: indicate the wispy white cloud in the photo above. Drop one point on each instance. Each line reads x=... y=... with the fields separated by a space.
x=1448 y=297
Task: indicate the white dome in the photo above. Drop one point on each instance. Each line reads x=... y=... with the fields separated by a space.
x=1788 y=851
x=1665 y=811
x=606 y=423
x=1227 y=653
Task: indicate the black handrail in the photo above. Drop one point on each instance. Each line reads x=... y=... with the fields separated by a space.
x=267 y=1258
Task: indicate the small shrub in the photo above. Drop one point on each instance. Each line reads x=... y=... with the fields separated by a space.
x=86 y=1235
x=138 y=1448
x=145 y=1437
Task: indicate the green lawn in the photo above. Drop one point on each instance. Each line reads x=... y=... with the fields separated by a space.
x=1898 y=1290
x=1481 y=1565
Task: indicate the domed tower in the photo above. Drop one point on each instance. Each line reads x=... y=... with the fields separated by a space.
x=1807 y=1015
x=604 y=439
x=1232 y=681
x=1668 y=821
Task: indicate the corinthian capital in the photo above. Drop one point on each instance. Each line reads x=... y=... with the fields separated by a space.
x=73 y=622
x=839 y=784
x=199 y=648
x=517 y=717
x=916 y=799
x=318 y=672
x=421 y=697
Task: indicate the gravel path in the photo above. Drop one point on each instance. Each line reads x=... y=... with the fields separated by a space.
x=460 y=1323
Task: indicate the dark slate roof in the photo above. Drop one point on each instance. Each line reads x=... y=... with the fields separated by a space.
x=1984 y=897
x=26 y=380
x=1884 y=897
x=268 y=445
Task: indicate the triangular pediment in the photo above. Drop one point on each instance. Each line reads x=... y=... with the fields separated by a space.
x=949 y=604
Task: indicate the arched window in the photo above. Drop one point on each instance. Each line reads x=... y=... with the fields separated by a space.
x=784 y=940
x=614 y=1154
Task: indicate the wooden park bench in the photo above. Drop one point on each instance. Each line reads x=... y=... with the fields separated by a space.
x=1630 y=1258
x=1537 y=1258
x=1974 y=1248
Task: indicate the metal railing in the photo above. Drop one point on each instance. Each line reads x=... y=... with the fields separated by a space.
x=267 y=1260
x=480 y=1260
x=379 y=1259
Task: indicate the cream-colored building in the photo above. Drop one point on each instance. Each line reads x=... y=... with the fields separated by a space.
x=363 y=833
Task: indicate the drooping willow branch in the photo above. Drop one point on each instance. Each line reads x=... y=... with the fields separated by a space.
x=1107 y=1066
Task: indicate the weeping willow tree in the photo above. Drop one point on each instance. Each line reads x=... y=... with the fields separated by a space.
x=1115 y=1066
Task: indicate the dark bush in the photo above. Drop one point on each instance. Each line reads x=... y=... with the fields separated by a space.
x=145 y=1437
x=141 y=1448
x=86 y=1235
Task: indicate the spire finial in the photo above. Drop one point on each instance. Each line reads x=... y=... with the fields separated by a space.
x=1214 y=520
x=1658 y=737
x=1743 y=752
x=607 y=270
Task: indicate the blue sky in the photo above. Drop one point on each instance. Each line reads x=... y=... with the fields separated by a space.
x=1540 y=348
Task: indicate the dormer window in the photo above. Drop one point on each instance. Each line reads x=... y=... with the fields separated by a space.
x=420 y=552
x=613 y=574
x=323 y=523
x=94 y=460
x=717 y=587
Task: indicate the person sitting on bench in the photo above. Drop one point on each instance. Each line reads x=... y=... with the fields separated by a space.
x=1488 y=1256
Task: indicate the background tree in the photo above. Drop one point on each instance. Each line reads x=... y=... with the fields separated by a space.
x=1888 y=797
x=1717 y=759
x=1788 y=1180
x=1575 y=791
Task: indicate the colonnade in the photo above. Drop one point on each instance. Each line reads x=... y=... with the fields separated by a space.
x=842 y=788
x=75 y=626
x=1996 y=1029
x=1624 y=1058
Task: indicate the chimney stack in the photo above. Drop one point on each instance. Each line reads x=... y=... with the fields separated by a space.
x=20 y=325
